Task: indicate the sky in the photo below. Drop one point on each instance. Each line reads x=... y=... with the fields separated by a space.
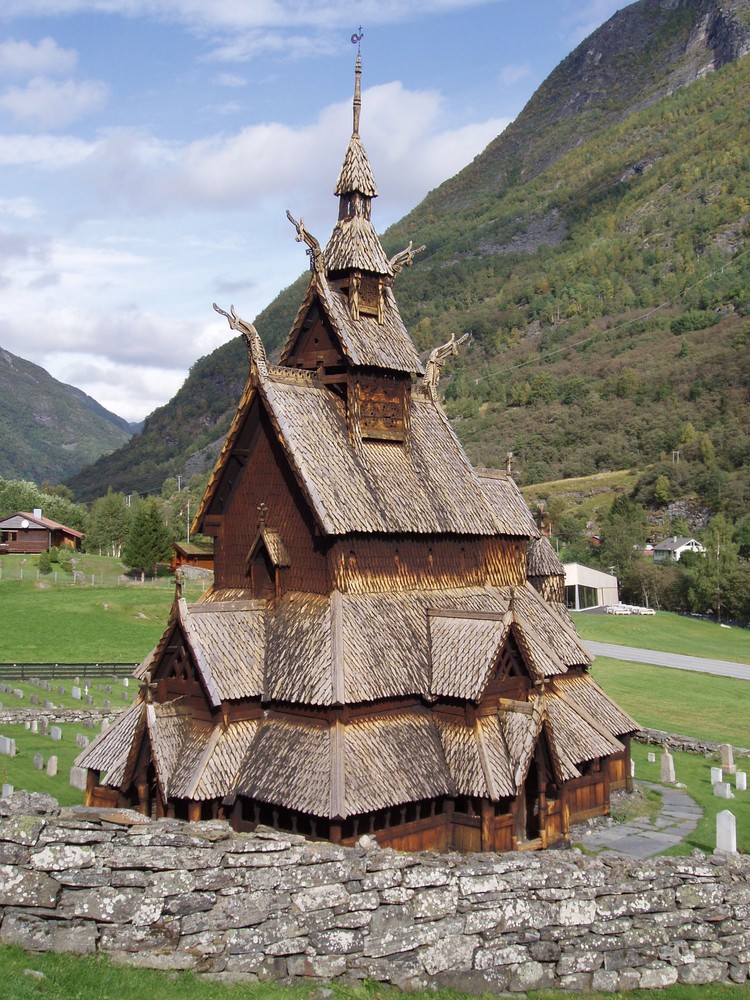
x=149 y=150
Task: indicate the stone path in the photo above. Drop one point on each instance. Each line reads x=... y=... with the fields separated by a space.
x=642 y=838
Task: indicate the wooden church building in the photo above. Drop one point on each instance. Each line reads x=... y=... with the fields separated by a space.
x=372 y=657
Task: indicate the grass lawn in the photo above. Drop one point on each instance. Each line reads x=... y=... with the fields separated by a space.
x=678 y=701
x=67 y=977
x=48 y=623
x=694 y=771
x=19 y=771
x=669 y=633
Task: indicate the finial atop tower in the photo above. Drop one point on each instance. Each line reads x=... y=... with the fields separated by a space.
x=357 y=40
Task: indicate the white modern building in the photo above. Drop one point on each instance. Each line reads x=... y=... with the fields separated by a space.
x=588 y=588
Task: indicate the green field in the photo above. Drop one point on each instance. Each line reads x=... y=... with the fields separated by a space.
x=678 y=701
x=19 y=771
x=47 y=621
x=669 y=633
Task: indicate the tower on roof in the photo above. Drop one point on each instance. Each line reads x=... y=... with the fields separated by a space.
x=371 y=657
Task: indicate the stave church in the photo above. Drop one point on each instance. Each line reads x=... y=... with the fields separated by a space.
x=384 y=649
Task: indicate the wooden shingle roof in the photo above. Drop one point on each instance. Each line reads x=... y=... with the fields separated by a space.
x=508 y=503
x=542 y=560
x=356 y=172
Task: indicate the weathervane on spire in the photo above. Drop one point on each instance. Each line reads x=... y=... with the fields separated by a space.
x=357 y=40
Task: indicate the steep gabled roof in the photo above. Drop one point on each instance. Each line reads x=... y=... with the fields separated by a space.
x=365 y=342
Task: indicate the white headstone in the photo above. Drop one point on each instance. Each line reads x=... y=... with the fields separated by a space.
x=52 y=767
x=652 y=758
x=105 y=724
x=27 y=724
x=78 y=778
x=7 y=746
x=727 y=758
x=723 y=790
x=125 y=682
x=667 y=767
x=35 y=725
x=75 y=692
x=740 y=781
x=55 y=733
x=726 y=833
x=7 y=791
x=716 y=775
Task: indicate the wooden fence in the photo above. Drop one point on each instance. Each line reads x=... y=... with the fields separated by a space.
x=52 y=671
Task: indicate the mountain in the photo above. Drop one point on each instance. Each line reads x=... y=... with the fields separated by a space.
x=596 y=251
x=49 y=430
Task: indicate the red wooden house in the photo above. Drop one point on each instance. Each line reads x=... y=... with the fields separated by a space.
x=23 y=532
x=372 y=657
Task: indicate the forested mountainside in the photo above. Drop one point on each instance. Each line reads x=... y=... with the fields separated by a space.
x=49 y=430
x=596 y=251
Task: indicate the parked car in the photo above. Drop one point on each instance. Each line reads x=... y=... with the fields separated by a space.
x=643 y=611
x=618 y=609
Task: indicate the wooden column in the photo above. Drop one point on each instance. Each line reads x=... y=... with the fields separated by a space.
x=143 y=803
x=194 y=812
x=488 y=825
x=92 y=783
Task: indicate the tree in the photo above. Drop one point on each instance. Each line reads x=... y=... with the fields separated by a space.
x=710 y=576
x=110 y=524
x=624 y=528
x=148 y=539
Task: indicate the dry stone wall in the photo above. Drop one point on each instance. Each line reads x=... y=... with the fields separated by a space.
x=269 y=905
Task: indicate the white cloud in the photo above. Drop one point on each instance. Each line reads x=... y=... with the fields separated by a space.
x=48 y=152
x=46 y=58
x=514 y=73
x=20 y=208
x=52 y=104
x=236 y=14
x=230 y=80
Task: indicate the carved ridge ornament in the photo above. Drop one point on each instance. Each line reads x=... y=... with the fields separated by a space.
x=435 y=364
x=405 y=258
x=313 y=251
x=255 y=349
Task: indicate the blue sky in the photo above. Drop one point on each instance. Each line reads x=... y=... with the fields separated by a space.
x=150 y=148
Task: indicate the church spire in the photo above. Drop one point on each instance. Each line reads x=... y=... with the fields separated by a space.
x=357 y=94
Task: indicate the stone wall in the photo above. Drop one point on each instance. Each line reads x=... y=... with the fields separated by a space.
x=269 y=905
x=687 y=743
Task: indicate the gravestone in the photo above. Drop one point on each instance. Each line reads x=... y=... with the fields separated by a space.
x=740 y=781
x=125 y=682
x=75 y=692
x=52 y=767
x=652 y=758
x=667 y=767
x=716 y=775
x=727 y=758
x=726 y=833
x=60 y=689
x=7 y=746
x=55 y=733
x=88 y=723
x=78 y=778
x=105 y=703
x=38 y=762
x=105 y=724
x=18 y=693
x=89 y=699
x=45 y=727
x=27 y=724
x=7 y=791
x=108 y=689
x=723 y=790
x=35 y=725
x=125 y=696
x=81 y=741
x=48 y=704
x=34 y=699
